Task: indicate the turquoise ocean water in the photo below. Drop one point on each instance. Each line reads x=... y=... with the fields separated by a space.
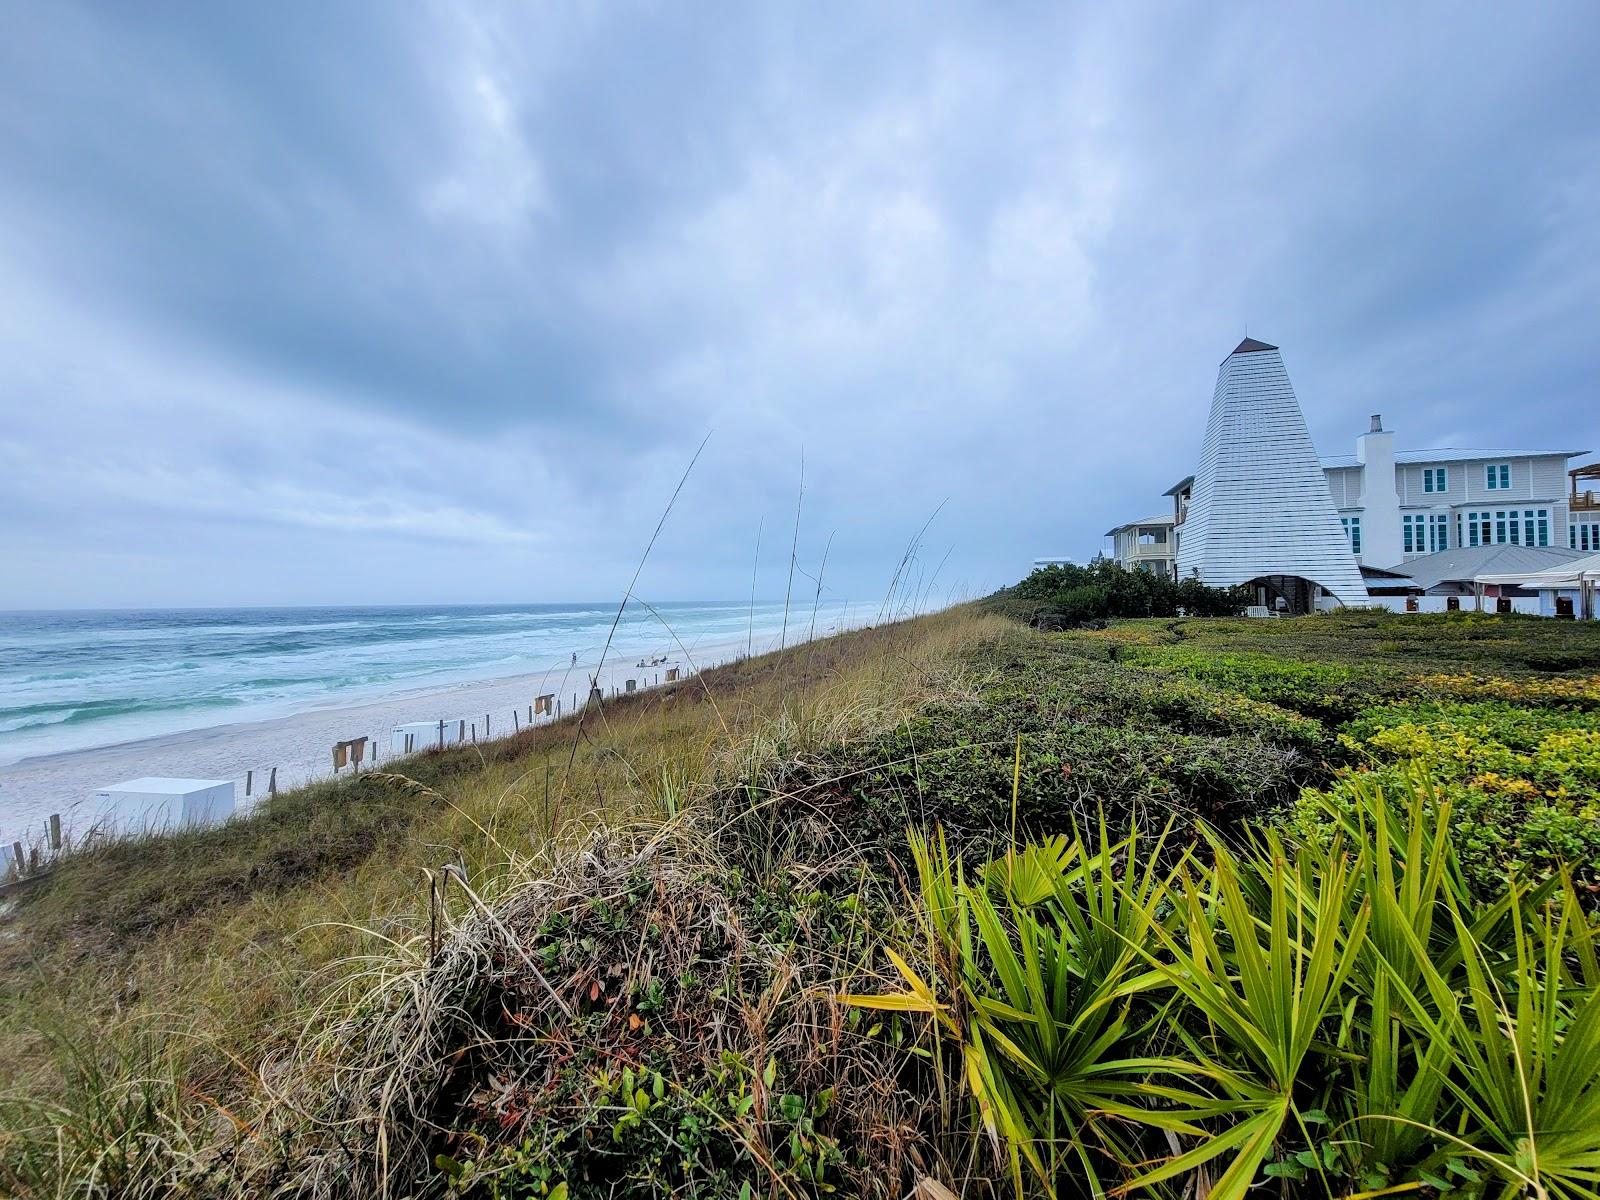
x=75 y=680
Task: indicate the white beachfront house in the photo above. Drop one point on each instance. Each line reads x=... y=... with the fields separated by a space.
x=1146 y=545
x=1447 y=499
x=1583 y=509
x=1263 y=509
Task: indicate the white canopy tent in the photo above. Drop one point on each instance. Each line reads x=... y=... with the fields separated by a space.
x=1581 y=578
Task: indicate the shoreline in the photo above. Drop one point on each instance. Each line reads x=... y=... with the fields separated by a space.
x=299 y=745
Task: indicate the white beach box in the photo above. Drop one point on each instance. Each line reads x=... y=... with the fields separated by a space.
x=155 y=804
x=424 y=735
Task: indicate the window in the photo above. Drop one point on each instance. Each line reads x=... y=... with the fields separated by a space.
x=1497 y=477
x=1413 y=529
x=1585 y=537
x=1436 y=479
x=1438 y=532
x=1352 y=530
x=1518 y=527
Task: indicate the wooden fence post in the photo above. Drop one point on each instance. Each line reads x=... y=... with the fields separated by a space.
x=272 y=782
x=248 y=776
x=55 y=831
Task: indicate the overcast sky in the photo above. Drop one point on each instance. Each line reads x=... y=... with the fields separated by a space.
x=365 y=303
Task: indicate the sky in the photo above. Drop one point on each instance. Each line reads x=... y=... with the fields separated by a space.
x=434 y=302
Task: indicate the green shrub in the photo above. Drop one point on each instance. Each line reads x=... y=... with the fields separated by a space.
x=1069 y=594
x=1329 y=691
x=1094 y=735
x=1523 y=783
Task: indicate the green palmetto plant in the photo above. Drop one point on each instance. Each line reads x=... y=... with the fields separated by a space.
x=1343 y=1015
x=1408 y=870
x=1259 y=981
x=1040 y=980
x=1525 y=1061
x=1415 y=1038
x=1389 y=1078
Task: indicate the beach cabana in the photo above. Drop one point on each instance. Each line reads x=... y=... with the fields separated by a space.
x=156 y=805
x=422 y=735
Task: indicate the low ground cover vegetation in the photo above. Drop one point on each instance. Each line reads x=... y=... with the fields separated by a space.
x=1173 y=906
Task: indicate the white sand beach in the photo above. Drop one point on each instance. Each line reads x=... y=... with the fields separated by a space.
x=300 y=745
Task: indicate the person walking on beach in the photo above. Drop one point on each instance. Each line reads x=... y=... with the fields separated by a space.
x=574 y=658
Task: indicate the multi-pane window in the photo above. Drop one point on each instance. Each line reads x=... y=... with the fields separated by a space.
x=1497 y=477
x=1425 y=533
x=1585 y=537
x=1352 y=530
x=1413 y=532
x=1516 y=526
x=1435 y=479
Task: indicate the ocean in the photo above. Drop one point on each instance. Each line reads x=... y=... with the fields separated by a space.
x=71 y=681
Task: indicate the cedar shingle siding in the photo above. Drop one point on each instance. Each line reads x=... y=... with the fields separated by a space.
x=1261 y=504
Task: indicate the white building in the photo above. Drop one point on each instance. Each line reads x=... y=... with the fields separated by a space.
x=1390 y=506
x=1146 y=545
x=1447 y=499
x=1258 y=511
x=1583 y=509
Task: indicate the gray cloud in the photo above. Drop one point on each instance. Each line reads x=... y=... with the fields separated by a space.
x=366 y=303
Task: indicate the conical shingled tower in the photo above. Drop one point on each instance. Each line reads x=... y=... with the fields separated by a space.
x=1260 y=504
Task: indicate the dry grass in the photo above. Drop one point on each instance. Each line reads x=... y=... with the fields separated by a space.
x=169 y=1014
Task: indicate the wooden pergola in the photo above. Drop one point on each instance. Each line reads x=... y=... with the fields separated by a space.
x=1585 y=499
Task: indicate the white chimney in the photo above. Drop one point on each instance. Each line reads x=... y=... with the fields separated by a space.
x=1380 y=497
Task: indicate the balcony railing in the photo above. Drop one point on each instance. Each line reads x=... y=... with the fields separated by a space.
x=1584 y=501
x=1149 y=550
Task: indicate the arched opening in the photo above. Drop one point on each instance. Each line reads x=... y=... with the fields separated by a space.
x=1289 y=595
